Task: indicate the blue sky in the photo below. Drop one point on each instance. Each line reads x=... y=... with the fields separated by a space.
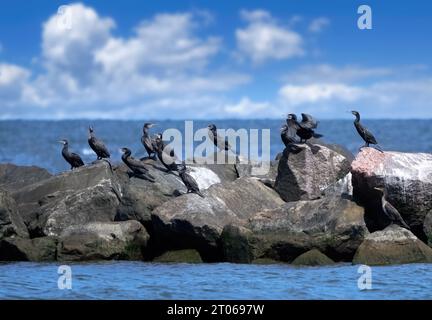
x=214 y=59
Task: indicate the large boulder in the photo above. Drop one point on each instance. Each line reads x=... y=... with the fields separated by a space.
x=333 y=225
x=393 y=245
x=24 y=249
x=305 y=174
x=190 y=221
x=123 y=240
x=11 y=223
x=407 y=178
x=13 y=177
x=87 y=194
x=266 y=172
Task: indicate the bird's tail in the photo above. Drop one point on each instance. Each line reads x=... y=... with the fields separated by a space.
x=379 y=148
x=109 y=163
x=200 y=194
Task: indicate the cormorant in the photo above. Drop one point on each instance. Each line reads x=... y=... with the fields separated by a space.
x=391 y=212
x=189 y=181
x=306 y=127
x=97 y=145
x=367 y=136
x=72 y=158
x=147 y=140
x=222 y=144
x=165 y=155
x=138 y=168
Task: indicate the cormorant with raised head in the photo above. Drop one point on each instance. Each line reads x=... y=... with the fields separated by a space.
x=391 y=212
x=165 y=155
x=189 y=181
x=289 y=131
x=366 y=135
x=97 y=145
x=138 y=168
x=72 y=158
x=218 y=141
x=306 y=127
x=147 y=140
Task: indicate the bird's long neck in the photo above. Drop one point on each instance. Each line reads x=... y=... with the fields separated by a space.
x=357 y=120
x=126 y=155
x=145 y=131
x=91 y=135
x=65 y=149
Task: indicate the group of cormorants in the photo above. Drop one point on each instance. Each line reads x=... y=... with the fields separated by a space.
x=154 y=146
x=293 y=134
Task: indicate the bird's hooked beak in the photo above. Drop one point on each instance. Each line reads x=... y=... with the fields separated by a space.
x=379 y=189
x=61 y=141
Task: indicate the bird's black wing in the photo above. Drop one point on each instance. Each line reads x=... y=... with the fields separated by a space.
x=308 y=122
x=191 y=183
x=148 y=143
x=99 y=147
x=136 y=165
x=394 y=215
x=76 y=159
x=366 y=134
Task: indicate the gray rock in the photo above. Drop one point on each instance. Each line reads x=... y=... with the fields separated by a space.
x=13 y=177
x=86 y=194
x=393 y=245
x=123 y=240
x=11 y=223
x=306 y=174
x=407 y=178
x=427 y=227
x=190 y=221
x=266 y=172
x=22 y=249
x=312 y=258
x=179 y=256
x=333 y=225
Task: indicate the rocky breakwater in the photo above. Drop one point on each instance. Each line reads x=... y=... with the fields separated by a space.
x=304 y=211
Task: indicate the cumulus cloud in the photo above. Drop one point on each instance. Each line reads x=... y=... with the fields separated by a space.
x=263 y=38
x=87 y=68
x=318 y=24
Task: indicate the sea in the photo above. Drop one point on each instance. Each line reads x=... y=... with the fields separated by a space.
x=36 y=143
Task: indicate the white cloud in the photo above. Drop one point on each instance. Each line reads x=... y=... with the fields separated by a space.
x=329 y=91
x=295 y=95
x=318 y=24
x=13 y=81
x=264 y=39
x=247 y=108
x=87 y=68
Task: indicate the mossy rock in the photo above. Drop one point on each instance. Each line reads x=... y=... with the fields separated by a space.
x=179 y=256
x=312 y=258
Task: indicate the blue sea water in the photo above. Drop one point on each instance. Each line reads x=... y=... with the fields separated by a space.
x=140 y=280
x=35 y=143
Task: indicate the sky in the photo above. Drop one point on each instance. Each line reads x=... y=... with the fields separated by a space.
x=214 y=59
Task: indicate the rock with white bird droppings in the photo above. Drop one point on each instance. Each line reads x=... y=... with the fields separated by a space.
x=407 y=178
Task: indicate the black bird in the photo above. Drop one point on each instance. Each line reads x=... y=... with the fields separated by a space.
x=97 y=145
x=147 y=140
x=366 y=135
x=306 y=127
x=391 y=212
x=218 y=141
x=165 y=155
x=138 y=168
x=289 y=131
x=189 y=181
x=72 y=158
